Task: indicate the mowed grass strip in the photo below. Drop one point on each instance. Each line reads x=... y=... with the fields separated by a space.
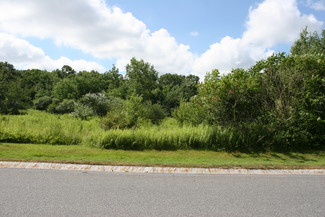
x=182 y=158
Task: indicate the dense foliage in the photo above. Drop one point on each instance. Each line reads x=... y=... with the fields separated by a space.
x=278 y=104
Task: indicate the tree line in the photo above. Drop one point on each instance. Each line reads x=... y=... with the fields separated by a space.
x=277 y=104
x=63 y=90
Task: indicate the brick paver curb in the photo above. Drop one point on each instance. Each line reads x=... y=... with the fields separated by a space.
x=172 y=170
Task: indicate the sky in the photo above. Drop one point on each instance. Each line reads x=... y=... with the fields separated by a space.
x=175 y=36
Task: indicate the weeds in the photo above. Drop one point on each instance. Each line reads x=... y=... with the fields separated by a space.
x=43 y=128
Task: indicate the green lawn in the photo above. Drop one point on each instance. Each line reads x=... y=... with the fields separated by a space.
x=88 y=155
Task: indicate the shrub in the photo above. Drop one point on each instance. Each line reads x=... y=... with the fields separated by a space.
x=82 y=111
x=115 y=120
x=98 y=102
x=66 y=106
x=154 y=112
x=42 y=103
x=189 y=113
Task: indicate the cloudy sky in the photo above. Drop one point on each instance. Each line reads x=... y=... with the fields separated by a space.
x=176 y=36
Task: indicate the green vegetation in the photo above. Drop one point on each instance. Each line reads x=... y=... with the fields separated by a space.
x=40 y=127
x=192 y=158
x=276 y=105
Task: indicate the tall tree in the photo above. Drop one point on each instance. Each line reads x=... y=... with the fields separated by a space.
x=309 y=43
x=38 y=83
x=141 y=79
x=232 y=99
x=113 y=78
x=90 y=82
x=12 y=95
x=175 y=88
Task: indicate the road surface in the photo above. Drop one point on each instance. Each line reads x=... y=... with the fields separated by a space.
x=31 y=192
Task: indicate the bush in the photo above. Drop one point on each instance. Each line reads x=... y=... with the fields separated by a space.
x=154 y=112
x=66 y=106
x=82 y=111
x=115 y=120
x=42 y=103
x=189 y=113
x=98 y=102
x=132 y=113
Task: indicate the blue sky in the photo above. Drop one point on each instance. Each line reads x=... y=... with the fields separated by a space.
x=176 y=36
x=211 y=19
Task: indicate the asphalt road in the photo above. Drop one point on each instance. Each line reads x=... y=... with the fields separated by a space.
x=28 y=192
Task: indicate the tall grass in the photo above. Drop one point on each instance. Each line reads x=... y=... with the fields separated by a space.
x=154 y=137
x=44 y=128
x=41 y=128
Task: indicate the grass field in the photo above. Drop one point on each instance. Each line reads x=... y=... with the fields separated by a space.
x=39 y=136
x=180 y=158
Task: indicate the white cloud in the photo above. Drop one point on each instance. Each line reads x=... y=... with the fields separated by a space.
x=316 y=5
x=277 y=21
x=228 y=54
x=90 y=25
x=107 y=32
x=24 y=55
x=270 y=23
x=95 y=28
x=163 y=51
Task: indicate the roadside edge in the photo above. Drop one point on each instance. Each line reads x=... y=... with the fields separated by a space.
x=162 y=170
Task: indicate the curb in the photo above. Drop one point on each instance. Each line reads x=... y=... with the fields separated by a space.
x=162 y=170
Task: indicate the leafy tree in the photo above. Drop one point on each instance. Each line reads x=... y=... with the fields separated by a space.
x=233 y=98
x=12 y=96
x=90 y=82
x=66 y=89
x=64 y=72
x=37 y=83
x=141 y=79
x=309 y=43
x=171 y=89
x=295 y=85
x=169 y=80
x=175 y=88
x=113 y=78
x=43 y=102
x=68 y=70
x=190 y=87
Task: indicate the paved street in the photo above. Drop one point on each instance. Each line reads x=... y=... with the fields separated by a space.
x=28 y=192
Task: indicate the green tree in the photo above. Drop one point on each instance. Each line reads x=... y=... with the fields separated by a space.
x=141 y=79
x=189 y=113
x=309 y=43
x=296 y=86
x=90 y=82
x=64 y=72
x=175 y=88
x=37 y=83
x=113 y=78
x=66 y=89
x=43 y=102
x=12 y=95
x=232 y=99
